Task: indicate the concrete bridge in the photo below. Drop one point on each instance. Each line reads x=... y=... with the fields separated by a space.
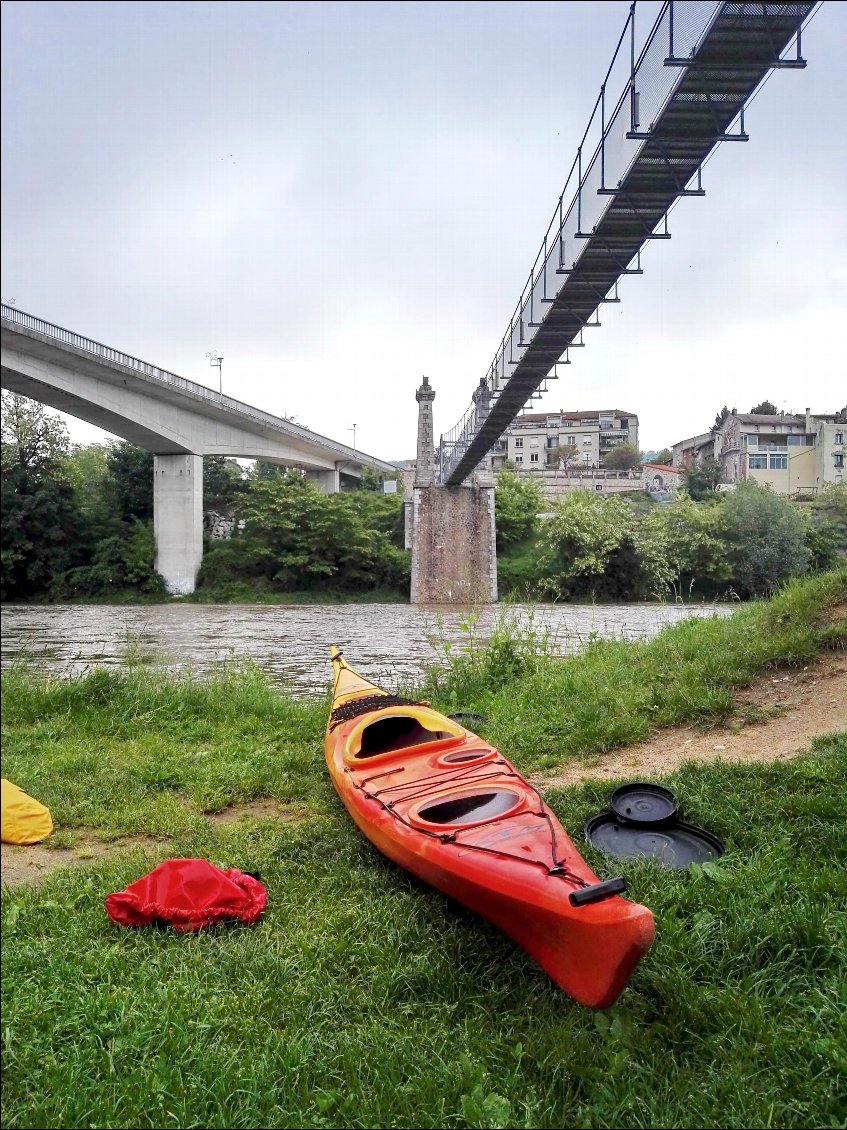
x=175 y=419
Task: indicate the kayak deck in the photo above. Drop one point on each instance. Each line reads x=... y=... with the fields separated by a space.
x=447 y=806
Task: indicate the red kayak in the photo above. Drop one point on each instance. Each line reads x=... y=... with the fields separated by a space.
x=448 y=807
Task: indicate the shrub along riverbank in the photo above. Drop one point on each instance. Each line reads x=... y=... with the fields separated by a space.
x=363 y=998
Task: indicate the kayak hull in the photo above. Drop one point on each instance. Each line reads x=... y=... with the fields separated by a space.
x=449 y=808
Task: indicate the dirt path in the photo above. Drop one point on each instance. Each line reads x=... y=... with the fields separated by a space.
x=777 y=718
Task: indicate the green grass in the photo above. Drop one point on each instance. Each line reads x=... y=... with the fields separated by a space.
x=142 y=752
x=545 y=710
x=365 y=999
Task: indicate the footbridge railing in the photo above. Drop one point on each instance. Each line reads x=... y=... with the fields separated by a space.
x=680 y=95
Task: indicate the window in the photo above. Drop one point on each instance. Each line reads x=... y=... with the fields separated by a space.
x=757 y=462
x=554 y=421
x=752 y=441
x=586 y=441
x=533 y=441
x=839 y=437
x=519 y=459
x=838 y=459
x=778 y=462
x=571 y=441
x=533 y=457
x=518 y=443
x=552 y=441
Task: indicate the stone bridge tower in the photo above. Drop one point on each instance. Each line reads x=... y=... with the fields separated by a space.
x=452 y=531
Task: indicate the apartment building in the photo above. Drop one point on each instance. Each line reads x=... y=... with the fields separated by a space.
x=690 y=451
x=537 y=440
x=791 y=453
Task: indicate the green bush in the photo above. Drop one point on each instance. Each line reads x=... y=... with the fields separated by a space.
x=766 y=539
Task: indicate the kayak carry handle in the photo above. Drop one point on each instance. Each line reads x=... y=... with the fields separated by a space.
x=597 y=891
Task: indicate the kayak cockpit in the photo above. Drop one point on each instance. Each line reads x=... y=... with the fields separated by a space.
x=400 y=730
x=468 y=808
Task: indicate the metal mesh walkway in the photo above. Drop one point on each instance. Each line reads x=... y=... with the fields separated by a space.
x=680 y=98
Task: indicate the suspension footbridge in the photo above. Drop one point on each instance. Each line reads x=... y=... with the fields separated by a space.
x=662 y=109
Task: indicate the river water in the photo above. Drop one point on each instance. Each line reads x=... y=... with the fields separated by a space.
x=391 y=643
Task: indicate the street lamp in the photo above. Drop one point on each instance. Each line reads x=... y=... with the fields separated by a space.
x=217 y=363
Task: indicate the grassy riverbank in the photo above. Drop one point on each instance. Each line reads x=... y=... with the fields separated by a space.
x=363 y=998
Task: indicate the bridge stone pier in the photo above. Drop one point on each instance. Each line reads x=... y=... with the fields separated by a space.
x=452 y=528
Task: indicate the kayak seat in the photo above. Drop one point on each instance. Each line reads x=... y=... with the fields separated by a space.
x=397 y=732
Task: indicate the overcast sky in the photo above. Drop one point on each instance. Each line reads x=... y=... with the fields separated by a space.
x=341 y=197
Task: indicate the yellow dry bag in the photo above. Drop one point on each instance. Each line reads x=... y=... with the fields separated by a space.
x=24 y=820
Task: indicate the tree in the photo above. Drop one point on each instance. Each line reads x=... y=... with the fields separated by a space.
x=130 y=480
x=223 y=484
x=31 y=437
x=720 y=419
x=702 y=477
x=296 y=537
x=88 y=472
x=371 y=479
x=764 y=409
x=766 y=539
x=622 y=457
x=682 y=546
x=826 y=537
x=262 y=472
x=588 y=545
x=517 y=501
x=114 y=489
x=41 y=520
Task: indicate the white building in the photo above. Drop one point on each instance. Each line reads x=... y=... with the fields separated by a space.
x=537 y=440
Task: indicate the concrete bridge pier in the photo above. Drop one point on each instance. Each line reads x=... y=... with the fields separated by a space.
x=327 y=481
x=178 y=520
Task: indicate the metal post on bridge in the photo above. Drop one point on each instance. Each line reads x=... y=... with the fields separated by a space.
x=217 y=363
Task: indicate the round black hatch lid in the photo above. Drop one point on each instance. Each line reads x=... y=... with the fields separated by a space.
x=467 y=718
x=641 y=802
x=674 y=846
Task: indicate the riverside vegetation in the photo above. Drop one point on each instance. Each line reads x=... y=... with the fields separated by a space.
x=363 y=998
x=77 y=525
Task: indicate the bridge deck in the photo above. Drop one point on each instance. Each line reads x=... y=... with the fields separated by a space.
x=699 y=66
